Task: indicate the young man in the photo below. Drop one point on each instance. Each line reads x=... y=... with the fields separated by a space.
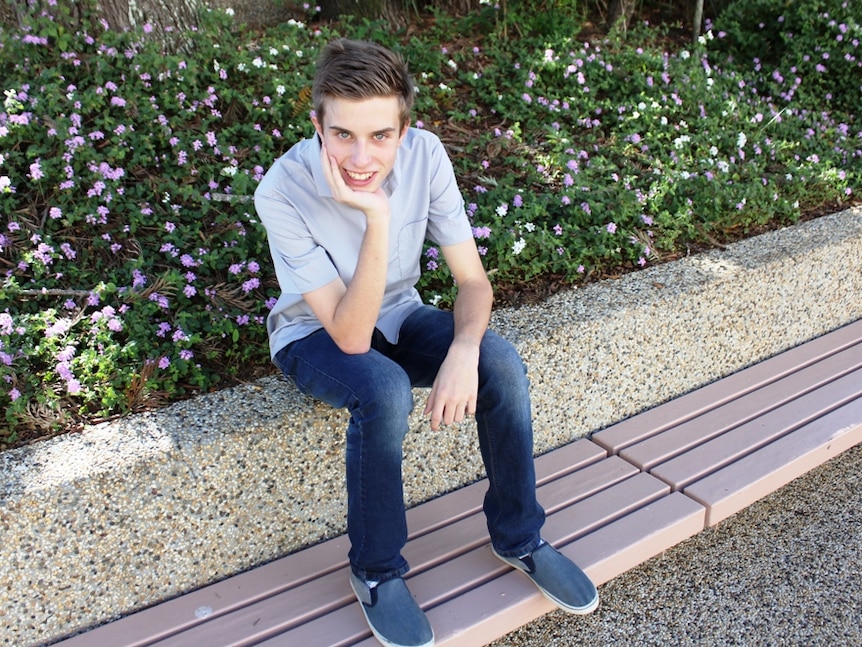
x=347 y=213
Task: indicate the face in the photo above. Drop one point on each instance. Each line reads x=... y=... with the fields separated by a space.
x=364 y=137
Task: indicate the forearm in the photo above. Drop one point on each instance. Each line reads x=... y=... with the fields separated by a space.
x=472 y=310
x=356 y=313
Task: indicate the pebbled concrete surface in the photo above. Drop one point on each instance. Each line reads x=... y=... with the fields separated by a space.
x=129 y=513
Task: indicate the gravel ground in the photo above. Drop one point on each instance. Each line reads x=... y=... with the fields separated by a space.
x=784 y=571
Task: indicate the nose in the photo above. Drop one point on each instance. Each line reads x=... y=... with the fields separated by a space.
x=359 y=155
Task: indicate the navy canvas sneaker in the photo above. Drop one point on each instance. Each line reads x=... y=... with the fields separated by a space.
x=558 y=578
x=395 y=619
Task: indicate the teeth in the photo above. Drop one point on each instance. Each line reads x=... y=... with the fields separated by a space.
x=360 y=177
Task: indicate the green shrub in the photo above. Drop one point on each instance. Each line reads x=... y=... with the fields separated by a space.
x=135 y=271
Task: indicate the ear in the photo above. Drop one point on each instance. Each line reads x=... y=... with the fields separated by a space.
x=403 y=132
x=317 y=126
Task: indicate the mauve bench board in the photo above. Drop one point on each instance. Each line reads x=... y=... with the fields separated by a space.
x=613 y=501
x=149 y=625
x=715 y=394
x=743 y=482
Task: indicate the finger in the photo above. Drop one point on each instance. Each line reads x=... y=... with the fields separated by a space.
x=471 y=407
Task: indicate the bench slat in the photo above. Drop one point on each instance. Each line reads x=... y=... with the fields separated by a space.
x=740 y=484
x=696 y=463
x=594 y=495
x=695 y=403
x=663 y=446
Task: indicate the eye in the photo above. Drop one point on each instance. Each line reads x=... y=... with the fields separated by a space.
x=343 y=135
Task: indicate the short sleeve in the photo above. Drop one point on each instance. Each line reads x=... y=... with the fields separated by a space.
x=301 y=264
x=447 y=220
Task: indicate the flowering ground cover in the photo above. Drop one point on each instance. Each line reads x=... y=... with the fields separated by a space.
x=134 y=271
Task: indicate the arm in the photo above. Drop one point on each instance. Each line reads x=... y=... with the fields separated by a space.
x=454 y=392
x=349 y=313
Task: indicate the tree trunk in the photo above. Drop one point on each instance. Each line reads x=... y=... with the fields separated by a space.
x=619 y=14
x=395 y=12
x=166 y=16
x=177 y=15
x=697 y=21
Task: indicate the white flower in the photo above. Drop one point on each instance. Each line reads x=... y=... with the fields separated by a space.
x=229 y=11
x=280 y=90
x=519 y=246
x=713 y=151
x=681 y=141
x=258 y=62
x=503 y=209
x=684 y=55
x=229 y=171
x=452 y=64
x=741 y=139
x=530 y=226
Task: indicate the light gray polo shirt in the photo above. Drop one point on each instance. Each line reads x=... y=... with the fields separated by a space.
x=313 y=239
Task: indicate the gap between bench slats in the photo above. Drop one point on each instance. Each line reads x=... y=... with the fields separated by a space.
x=662 y=446
x=451 y=584
x=687 y=467
x=447 y=550
x=715 y=394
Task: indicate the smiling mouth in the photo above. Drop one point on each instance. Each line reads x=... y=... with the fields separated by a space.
x=359 y=177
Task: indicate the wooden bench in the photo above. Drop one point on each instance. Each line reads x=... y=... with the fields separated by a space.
x=629 y=492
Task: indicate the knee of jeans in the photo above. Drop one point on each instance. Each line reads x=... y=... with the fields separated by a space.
x=500 y=360
x=388 y=395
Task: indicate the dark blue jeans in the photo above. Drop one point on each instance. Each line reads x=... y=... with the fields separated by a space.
x=375 y=387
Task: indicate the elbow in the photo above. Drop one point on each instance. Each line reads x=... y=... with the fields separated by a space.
x=353 y=344
x=354 y=348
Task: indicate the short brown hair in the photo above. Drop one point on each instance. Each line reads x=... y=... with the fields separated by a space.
x=359 y=69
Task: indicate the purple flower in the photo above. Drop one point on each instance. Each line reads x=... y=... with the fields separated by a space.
x=612 y=227
x=36 y=170
x=164 y=362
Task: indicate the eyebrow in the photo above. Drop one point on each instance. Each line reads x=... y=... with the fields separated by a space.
x=382 y=131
